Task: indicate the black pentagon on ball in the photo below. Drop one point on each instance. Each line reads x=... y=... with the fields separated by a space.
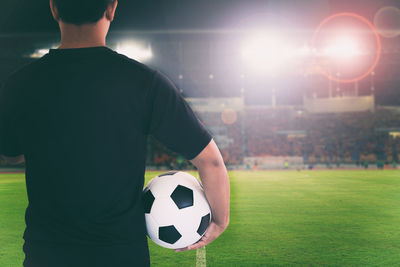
x=205 y=221
x=168 y=234
x=183 y=197
x=167 y=173
x=148 y=200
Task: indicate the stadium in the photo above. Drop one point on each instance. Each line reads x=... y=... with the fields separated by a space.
x=303 y=101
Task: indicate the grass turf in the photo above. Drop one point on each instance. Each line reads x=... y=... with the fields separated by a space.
x=320 y=218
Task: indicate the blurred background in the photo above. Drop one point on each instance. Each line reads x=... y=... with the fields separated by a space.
x=279 y=84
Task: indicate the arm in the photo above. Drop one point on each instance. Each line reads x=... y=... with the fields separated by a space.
x=174 y=124
x=215 y=181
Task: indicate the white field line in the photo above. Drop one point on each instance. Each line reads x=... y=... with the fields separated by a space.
x=201 y=257
x=201 y=260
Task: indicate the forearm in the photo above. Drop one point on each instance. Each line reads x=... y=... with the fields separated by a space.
x=216 y=186
x=217 y=189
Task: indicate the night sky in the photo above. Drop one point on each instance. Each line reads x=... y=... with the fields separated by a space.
x=34 y=15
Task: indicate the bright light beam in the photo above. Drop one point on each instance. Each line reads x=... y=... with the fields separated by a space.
x=266 y=53
x=135 y=51
x=343 y=48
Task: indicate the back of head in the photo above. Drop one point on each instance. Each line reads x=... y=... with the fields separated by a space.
x=80 y=12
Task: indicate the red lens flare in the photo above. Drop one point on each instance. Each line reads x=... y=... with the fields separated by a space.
x=373 y=30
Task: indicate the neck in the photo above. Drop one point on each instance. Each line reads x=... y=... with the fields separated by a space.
x=87 y=35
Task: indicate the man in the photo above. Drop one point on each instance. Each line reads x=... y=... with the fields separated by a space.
x=80 y=116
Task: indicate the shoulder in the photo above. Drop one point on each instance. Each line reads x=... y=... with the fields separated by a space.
x=13 y=85
x=156 y=78
x=22 y=73
x=131 y=65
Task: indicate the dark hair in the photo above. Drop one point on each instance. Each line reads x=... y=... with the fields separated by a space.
x=81 y=11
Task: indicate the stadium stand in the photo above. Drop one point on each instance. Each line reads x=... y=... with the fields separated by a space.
x=332 y=139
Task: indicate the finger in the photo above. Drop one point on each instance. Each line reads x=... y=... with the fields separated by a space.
x=198 y=245
x=181 y=249
x=205 y=240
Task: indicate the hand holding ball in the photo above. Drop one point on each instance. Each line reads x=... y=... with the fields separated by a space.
x=176 y=210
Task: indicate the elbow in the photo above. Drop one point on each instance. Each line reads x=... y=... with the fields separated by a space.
x=217 y=162
x=210 y=162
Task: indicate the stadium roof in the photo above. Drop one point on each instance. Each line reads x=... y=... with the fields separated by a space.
x=35 y=16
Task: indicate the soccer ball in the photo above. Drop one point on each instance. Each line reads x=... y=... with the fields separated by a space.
x=176 y=210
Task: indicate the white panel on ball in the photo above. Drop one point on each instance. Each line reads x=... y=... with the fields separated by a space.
x=201 y=202
x=188 y=220
x=151 y=226
x=162 y=186
x=163 y=210
x=187 y=239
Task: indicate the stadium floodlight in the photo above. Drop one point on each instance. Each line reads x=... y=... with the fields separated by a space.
x=266 y=53
x=304 y=51
x=342 y=48
x=135 y=51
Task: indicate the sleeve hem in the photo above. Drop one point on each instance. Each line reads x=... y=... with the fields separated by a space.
x=205 y=141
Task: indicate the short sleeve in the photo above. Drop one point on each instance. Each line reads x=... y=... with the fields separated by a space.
x=9 y=145
x=172 y=120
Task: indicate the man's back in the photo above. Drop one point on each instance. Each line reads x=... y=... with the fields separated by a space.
x=81 y=118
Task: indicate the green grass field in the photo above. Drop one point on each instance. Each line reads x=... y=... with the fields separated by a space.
x=288 y=218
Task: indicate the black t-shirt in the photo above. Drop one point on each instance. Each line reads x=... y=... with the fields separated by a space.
x=81 y=118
